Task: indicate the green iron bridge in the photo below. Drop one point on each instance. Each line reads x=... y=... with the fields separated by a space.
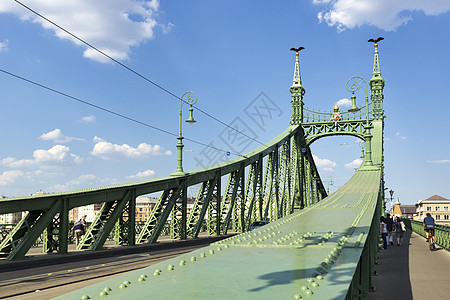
x=316 y=245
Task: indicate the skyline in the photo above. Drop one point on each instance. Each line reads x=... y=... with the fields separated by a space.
x=236 y=62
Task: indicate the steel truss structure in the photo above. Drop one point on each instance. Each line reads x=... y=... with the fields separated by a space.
x=266 y=183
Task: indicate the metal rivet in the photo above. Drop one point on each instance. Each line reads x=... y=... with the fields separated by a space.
x=211 y=251
x=202 y=255
x=170 y=267
x=193 y=258
x=122 y=286
x=182 y=262
x=85 y=297
x=103 y=293
x=297 y=296
x=219 y=249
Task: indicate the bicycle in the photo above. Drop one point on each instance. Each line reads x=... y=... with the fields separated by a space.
x=430 y=237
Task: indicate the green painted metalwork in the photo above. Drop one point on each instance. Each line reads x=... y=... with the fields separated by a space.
x=315 y=244
x=188 y=98
x=247 y=198
x=441 y=232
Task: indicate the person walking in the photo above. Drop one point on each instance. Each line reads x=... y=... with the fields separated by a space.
x=383 y=230
x=79 y=229
x=399 y=229
x=390 y=227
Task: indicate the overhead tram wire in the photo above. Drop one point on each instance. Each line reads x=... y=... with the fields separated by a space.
x=113 y=112
x=134 y=72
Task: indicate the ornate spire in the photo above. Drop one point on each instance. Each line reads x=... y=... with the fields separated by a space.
x=376 y=84
x=297 y=79
x=297 y=91
x=376 y=73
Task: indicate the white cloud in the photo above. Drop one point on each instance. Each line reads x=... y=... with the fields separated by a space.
x=58 y=137
x=4 y=46
x=439 y=161
x=324 y=164
x=384 y=14
x=107 y=150
x=81 y=180
x=113 y=26
x=56 y=154
x=344 y=103
x=166 y=28
x=354 y=164
x=88 y=119
x=145 y=174
x=76 y=159
x=401 y=137
x=9 y=177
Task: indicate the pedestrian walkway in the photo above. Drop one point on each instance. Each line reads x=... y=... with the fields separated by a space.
x=412 y=271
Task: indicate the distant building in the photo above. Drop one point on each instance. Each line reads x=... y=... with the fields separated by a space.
x=89 y=210
x=408 y=211
x=12 y=218
x=144 y=206
x=437 y=206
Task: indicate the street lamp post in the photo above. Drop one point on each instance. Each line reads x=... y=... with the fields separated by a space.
x=391 y=192
x=189 y=98
x=353 y=84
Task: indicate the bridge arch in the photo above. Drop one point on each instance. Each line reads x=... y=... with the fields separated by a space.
x=312 y=139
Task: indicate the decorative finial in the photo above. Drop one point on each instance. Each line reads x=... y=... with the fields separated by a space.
x=375 y=41
x=297 y=79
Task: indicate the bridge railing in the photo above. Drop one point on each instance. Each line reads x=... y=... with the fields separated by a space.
x=441 y=232
x=313 y=116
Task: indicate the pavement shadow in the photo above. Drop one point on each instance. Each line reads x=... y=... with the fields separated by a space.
x=393 y=280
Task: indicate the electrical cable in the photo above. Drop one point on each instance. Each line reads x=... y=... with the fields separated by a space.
x=134 y=72
x=113 y=112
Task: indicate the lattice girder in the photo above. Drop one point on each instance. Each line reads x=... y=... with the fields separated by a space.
x=27 y=231
x=314 y=131
x=178 y=216
x=169 y=202
x=207 y=192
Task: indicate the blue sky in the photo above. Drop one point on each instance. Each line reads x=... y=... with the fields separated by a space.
x=233 y=55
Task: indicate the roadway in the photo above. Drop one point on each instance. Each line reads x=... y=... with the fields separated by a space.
x=42 y=276
x=412 y=271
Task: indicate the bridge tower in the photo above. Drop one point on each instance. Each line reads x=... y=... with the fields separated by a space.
x=376 y=84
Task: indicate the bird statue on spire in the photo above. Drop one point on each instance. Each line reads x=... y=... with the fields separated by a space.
x=297 y=50
x=375 y=41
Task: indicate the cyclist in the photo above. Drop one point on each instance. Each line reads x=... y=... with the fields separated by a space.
x=428 y=226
